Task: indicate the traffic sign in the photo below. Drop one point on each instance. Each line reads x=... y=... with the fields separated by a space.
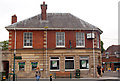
x=18 y=57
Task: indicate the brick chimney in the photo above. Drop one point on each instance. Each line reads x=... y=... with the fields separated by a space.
x=43 y=11
x=14 y=19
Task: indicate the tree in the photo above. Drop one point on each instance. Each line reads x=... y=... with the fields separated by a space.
x=4 y=45
x=102 y=48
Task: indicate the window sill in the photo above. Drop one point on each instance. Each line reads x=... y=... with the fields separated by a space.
x=27 y=47
x=69 y=69
x=54 y=70
x=60 y=47
x=80 y=46
x=84 y=69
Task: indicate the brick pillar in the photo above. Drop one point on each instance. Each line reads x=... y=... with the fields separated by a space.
x=112 y=66
x=45 y=74
x=62 y=65
x=77 y=59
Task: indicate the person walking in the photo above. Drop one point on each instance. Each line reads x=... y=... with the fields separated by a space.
x=99 y=70
x=37 y=74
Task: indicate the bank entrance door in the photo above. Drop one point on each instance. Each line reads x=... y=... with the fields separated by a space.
x=6 y=67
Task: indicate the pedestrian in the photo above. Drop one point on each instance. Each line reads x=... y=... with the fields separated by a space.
x=99 y=70
x=37 y=74
x=102 y=69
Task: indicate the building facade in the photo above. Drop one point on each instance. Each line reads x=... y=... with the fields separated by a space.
x=111 y=58
x=54 y=42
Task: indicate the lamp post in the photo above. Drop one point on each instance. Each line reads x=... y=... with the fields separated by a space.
x=14 y=57
x=46 y=49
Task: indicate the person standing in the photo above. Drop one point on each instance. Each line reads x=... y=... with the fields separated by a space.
x=37 y=74
x=99 y=70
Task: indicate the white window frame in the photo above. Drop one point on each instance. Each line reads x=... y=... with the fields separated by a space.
x=83 y=36
x=86 y=58
x=29 y=40
x=60 y=37
x=74 y=63
x=54 y=60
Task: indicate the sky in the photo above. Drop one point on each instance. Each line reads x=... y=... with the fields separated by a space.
x=100 y=13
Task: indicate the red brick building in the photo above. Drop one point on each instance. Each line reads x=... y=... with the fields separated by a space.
x=55 y=42
x=111 y=58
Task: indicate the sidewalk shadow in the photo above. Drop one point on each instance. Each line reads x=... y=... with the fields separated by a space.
x=110 y=80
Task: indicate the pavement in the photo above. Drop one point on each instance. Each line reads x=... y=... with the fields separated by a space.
x=111 y=75
x=107 y=76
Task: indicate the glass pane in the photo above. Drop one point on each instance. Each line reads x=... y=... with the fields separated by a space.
x=30 y=44
x=21 y=66
x=24 y=34
x=60 y=38
x=80 y=39
x=69 y=64
x=84 y=64
x=24 y=44
x=54 y=64
x=30 y=34
x=27 y=44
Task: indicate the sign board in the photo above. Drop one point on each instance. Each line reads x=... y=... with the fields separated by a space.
x=18 y=57
x=90 y=35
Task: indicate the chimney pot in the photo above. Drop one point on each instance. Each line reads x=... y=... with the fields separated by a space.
x=43 y=11
x=43 y=2
x=14 y=19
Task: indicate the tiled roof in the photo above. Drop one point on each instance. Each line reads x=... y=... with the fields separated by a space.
x=112 y=49
x=64 y=21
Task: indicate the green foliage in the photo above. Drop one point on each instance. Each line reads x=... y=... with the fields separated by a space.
x=102 y=48
x=4 y=45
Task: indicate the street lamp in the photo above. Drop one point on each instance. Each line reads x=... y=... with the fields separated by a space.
x=46 y=49
x=14 y=57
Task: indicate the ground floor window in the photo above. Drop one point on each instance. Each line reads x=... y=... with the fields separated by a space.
x=54 y=63
x=69 y=62
x=21 y=66
x=84 y=62
x=34 y=65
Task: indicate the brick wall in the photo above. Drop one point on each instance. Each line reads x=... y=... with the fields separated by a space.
x=38 y=38
x=110 y=59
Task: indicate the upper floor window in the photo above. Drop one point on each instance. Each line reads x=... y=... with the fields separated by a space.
x=60 y=39
x=27 y=39
x=80 y=39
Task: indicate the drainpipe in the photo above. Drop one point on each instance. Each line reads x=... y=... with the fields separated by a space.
x=93 y=56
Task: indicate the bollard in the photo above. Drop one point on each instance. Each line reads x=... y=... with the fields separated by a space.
x=4 y=77
x=55 y=75
x=70 y=75
x=50 y=77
